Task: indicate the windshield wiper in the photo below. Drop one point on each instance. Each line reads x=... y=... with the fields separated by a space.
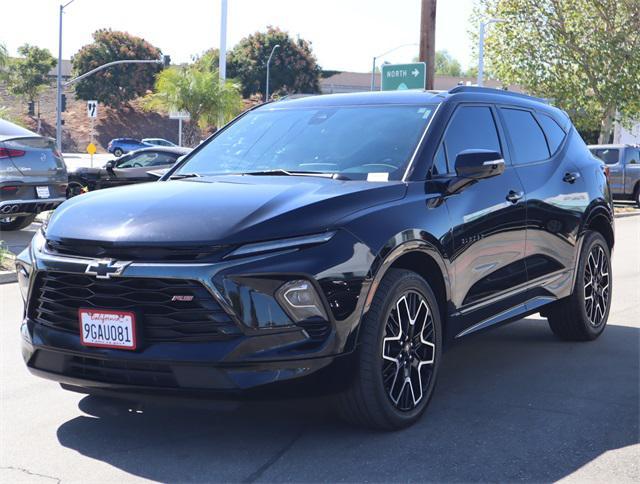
x=280 y=172
x=185 y=175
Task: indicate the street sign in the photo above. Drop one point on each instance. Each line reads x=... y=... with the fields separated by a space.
x=92 y=109
x=91 y=149
x=397 y=77
x=178 y=115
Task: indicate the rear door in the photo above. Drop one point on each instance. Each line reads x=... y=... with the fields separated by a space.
x=631 y=170
x=542 y=154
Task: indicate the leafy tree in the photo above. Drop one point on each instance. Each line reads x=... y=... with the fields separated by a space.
x=28 y=74
x=293 y=68
x=119 y=84
x=446 y=65
x=584 y=55
x=4 y=56
x=198 y=91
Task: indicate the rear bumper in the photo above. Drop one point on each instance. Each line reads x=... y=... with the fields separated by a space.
x=26 y=207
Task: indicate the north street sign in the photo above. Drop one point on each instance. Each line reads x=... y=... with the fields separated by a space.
x=397 y=77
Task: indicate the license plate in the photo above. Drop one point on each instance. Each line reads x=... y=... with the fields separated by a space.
x=107 y=329
x=43 y=192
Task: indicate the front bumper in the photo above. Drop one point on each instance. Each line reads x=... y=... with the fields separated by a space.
x=284 y=360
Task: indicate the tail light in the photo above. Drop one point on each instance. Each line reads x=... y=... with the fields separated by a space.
x=9 y=152
x=605 y=169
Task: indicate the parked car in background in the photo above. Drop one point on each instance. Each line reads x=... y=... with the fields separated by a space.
x=158 y=142
x=296 y=253
x=128 y=169
x=623 y=162
x=120 y=146
x=33 y=176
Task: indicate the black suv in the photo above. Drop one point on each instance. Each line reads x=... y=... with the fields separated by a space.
x=326 y=244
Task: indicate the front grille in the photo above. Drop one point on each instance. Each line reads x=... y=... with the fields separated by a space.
x=174 y=253
x=57 y=297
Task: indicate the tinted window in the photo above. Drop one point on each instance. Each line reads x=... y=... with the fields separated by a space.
x=529 y=143
x=472 y=127
x=147 y=158
x=164 y=159
x=609 y=155
x=440 y=162
x=554 y=132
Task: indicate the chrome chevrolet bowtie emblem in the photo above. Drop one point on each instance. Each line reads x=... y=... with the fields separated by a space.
x=104 y=269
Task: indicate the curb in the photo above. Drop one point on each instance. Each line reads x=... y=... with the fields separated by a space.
x=8 y=277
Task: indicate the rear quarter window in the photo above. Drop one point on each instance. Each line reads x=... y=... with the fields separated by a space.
x=552 y=130
x=527 y=139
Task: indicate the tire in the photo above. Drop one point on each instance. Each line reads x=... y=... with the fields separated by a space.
x=16 y=223
x=118 y=152
x=580 y=317
x=636 y=195
x=75 y=188
x=377 y=399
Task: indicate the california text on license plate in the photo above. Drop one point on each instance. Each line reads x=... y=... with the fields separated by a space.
x=43 y=192
x=107 y=329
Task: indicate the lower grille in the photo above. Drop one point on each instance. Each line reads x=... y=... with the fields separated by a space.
x=317 y=330
x=107 y=371
x=57 y=296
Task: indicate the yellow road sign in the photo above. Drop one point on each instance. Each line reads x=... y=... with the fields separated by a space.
x=91 y=149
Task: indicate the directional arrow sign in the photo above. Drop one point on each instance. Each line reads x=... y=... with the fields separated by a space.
x=404 y=76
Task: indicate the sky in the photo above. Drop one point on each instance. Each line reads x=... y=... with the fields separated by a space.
x=345 y=34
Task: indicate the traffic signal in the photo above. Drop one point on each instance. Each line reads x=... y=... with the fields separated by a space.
x=31 y=107
x=166 y=60
x=63 y=103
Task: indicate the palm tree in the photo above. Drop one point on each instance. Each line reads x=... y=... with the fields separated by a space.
x=199 y=92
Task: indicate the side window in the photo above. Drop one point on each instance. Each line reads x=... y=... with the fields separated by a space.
x=553 y=131
x=164 y=159
x=529 y=143
x=608 y=155
x=139 y=160
x=440 y=162
x=633 y=156
x=472 y=127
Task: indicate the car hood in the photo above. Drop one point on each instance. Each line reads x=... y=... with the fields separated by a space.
x=220 y=210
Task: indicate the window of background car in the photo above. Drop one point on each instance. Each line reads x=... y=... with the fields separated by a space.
x=353 y=140
x=555 y=134
x=633 y=156
x=527 y=138
x=148 y=158
x=609 y=155
x=440 y=162
x=472 y=127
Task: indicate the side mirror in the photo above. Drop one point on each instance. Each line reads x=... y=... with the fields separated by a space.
x=110 y=165
x=479 y=164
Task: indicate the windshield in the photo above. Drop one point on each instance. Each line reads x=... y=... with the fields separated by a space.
x=356 y=141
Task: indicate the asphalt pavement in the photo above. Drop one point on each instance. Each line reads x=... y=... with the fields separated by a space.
x=512 y=404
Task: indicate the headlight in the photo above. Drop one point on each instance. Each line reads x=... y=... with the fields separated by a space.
x=300 y=300
x=291 y=243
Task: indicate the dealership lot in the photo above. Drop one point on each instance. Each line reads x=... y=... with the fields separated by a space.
x=512 y=404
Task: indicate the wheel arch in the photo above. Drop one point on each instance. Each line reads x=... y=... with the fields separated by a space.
x=600 y=220
x=422 y=258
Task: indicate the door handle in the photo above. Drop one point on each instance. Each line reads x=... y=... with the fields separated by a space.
x=570 y=177
x=514 y=196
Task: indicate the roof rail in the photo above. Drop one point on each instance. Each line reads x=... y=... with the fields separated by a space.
x=489 y=90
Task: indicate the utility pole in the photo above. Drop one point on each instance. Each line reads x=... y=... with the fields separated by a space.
x=428 y=38
x=483 y=27
x=266 y=94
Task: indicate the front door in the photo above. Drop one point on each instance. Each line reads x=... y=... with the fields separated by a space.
x=488 y=225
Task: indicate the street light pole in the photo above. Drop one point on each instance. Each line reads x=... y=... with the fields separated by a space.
x=266 y=95
x=59 y=81
x=222 y=58
x=483 y=26
x=373 y=68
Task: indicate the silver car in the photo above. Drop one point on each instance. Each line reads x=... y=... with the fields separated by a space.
x=33 y=176
x=623 y=163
